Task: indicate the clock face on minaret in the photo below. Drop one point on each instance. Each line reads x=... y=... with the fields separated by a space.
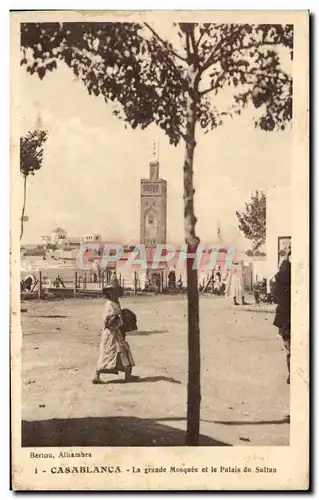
x=153 y=208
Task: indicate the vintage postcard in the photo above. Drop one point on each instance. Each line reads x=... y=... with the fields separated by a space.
x=159 y=250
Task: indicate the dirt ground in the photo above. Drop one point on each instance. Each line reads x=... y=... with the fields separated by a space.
x=245 y=398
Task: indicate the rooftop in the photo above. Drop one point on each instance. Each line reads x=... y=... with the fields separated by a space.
x=58 y=230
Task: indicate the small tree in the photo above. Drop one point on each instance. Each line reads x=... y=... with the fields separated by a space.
x=150 y=81
x=252 y=221
x=31 y=156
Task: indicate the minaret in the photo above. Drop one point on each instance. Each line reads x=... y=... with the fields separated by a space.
x=153 y=205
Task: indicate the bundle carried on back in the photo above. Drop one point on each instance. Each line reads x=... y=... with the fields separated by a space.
x=129 y=321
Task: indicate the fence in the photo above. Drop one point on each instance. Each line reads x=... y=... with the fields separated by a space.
x=78 y=284
x=86 y=284
x=39 y=285
x=90 y=284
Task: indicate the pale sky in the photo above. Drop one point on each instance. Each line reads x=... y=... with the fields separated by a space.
x=90 y=178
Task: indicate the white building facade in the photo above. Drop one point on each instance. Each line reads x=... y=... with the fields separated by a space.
x=91 y=238
x=58 y=235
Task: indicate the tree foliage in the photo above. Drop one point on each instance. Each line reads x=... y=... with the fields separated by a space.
x=131 y=65
x=150 y=81
x=252 y=221
x=31 y=151
x=31 y=156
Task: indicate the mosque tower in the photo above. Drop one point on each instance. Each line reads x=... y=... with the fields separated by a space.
x=153 y=205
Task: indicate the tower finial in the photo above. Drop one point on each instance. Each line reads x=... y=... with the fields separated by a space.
x=154 y=164
x=218 y=230
x=155 y=151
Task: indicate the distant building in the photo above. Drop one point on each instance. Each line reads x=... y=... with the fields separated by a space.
x=46 y=240
x=58 y=235
x=73 y=242
x=91 y=238
x=60 y=240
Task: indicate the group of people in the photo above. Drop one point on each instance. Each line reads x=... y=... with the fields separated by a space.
x=229 y=285
x=282 y=295
x=115 y=353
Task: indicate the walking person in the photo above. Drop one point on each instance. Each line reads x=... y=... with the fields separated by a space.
x=235 y=286
x=212 y=280
x=172 y=281
x=115 y=353
x=217 y=283
x=180 y=284
x=95 y=271
x=282 y=293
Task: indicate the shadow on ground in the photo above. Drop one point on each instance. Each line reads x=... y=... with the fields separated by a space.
x=156 y=378
x=108 y=431
x=146 y=332
x=285 y=420
x=48 y=316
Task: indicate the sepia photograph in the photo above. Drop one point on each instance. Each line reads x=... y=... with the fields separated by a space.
x=154 y=235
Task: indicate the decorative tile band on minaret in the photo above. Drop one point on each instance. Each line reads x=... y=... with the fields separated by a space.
x=153 y=205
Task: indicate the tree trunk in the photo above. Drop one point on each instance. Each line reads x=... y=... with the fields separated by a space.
x=257 y=244
x=193 y=390
x=24 y=203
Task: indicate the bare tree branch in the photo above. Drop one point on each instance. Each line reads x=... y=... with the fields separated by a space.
x=165 y=44
x=213 y=57
x=193 y=41
x=257 y=245
x=206 y=91
x=188 y=48
x=256 y=45
x=256 y=72
x=212 y=87
x=210 y=60
x=199 y=40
